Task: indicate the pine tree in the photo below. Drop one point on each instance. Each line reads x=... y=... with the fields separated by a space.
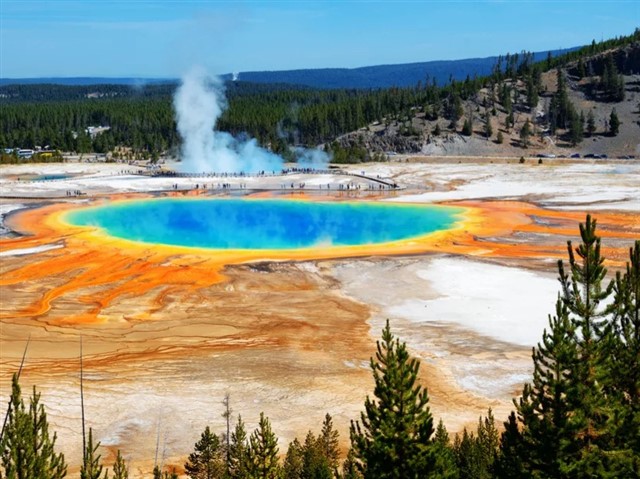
x=500 y=138
x=542 y=409
x=467 y=128
x=27 y=449
x=350 y=469
x=467 y=454
x=475 y=454
x=314 y=463
x=532 y=92
x=120 y=470
x=571 y=424
x=262 y=456
x=488 y=442
x=445 y=466
x=91 y=468
x=509 y=463
x=392 y=438
x=583 y=293
x=328 y=442
x=582 y=71
x=623 y=355
x=294 y=461
x=509 y=120
x=576 y=128
x=591 y=123
x=614 y=123
x=206 y=461
x=238 y=452
x=560 y=107
x=525 y=133
x=488 y=128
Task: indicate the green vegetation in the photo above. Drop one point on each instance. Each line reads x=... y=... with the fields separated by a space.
x=45 y=157
x=28 y=451
x=393 y=437
x=614 y=123
x=579 y=416
x=280 y=116
x=206 y=461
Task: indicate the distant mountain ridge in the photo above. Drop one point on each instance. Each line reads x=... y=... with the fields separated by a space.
x=378 y=76
x=86 y=81
x=383 y=76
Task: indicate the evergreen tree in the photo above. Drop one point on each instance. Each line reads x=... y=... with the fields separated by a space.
x=582 y=71
x=525 y=133
x=206 y=461
x=488 y=128
x=475 y=454
x=611 y=83
x=445 y=466
x=350 y=469
x=328 y=443
x=576 y=128
x=294 y=461
x=120 y=470
x=238 y=452
x=27 y=449
x=542 y=409
x=509 y=463
x=509 y=120
x=314 y=463
x=591 y=123
x=262 y=456
x=91 y=467
x=467 y=128
x=393 y=437
x=582 y=293
x=623 y=359
x=569 y=416
x=488 y=442
x=560 y=107
x=467 y=454
x=436 y=130
x=500 y=138
x=614 y=123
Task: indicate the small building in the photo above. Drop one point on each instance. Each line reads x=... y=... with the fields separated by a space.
x=25 y=153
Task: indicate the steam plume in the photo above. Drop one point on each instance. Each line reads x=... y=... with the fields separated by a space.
x=199 y=102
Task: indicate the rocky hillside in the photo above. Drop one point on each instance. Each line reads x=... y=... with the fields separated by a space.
x=428 y=130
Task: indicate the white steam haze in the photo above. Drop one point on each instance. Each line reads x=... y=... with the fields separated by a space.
x=198 y=103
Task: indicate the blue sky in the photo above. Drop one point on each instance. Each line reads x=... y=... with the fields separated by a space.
x=163 y=38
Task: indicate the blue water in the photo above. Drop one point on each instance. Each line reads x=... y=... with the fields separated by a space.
x=54 y=176
x=263 y=224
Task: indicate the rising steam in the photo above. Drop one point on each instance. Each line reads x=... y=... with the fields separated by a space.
x=199 y=102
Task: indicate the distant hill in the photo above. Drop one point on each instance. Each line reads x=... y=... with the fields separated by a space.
x=431 y=132
x=383 y=76
x=79 y=81
x=380 y=76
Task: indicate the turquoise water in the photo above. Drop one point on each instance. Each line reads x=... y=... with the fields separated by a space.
x=263 y=224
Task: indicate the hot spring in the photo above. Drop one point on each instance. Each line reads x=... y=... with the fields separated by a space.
x=255 y=224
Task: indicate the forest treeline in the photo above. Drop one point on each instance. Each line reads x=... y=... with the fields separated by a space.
x=577 y=417
x=279 y=116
